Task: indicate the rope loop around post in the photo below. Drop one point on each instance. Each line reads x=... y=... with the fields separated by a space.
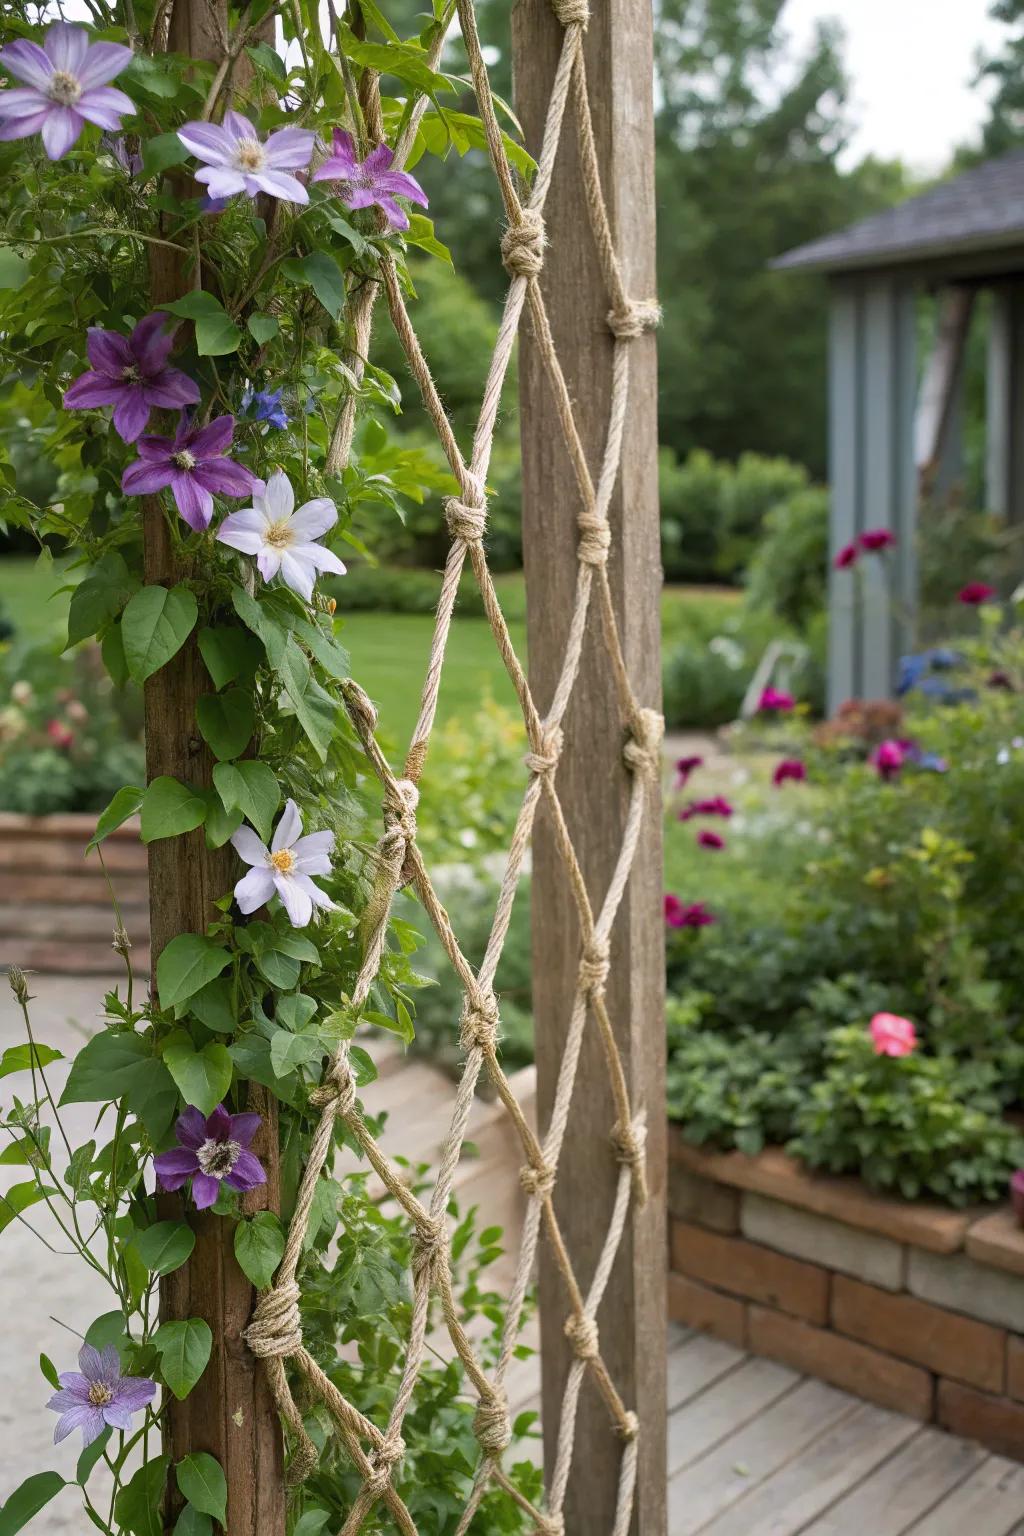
x=595 y=538
x=478 y=1026
x=491 y=1423
x=572 y=13
x=581 y=1331
x=522 y=245
x=637 y=316
x=544 y=759
x=642 y=752
x=465 y=520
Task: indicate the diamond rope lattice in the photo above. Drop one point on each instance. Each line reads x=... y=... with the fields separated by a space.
x=275 y=1332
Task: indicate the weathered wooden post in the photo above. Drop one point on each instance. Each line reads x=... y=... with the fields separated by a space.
x=230 y=1412
x=592 y=783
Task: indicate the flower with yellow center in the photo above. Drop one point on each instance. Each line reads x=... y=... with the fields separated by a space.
x=284 y=869
x=284 y=540
x=236 y=160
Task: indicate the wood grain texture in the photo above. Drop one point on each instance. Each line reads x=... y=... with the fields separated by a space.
x=591 y=780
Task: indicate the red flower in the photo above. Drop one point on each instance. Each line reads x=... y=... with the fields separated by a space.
x=877 y=539
x=846 y=557
x=1000 y=679
x=976 y=592
x=680 y=915
x=789 y=768
x=717 y=805
x=59 y=733
x=710 y=840
x=776 y=701
x=888 y=758
x=684 y=767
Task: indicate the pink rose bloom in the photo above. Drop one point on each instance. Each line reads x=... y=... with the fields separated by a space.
x=710 y=840
x=892 y=1036
x=776 y=701
x=877 y=539
x=976 y=592
x=846 y=557
x=888 y=758
x=59 y=733
x=789 y=768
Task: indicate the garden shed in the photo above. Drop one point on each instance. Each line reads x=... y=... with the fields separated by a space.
x=895 y=419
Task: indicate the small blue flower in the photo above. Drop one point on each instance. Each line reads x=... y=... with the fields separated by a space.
x=269 y=408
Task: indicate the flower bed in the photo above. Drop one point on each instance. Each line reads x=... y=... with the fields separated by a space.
x=906 y=1303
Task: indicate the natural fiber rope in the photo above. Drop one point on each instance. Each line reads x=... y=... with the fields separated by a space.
x=274 y=1332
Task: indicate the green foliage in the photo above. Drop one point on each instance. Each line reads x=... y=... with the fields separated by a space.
x=184 y=1349
x=27 y=1500
x=713 y=512
x=201 y=1481
x=788 y=574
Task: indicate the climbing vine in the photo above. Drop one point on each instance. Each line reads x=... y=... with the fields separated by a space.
x=243 y=414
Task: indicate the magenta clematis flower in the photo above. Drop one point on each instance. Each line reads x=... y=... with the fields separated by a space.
x=776 y=701
x=685 y=766
x=283 y=540
x=212 y=1150
x=707 y=839
x=284 y=867
x=679 y=914
x=877 y=539
x=717 y=805
x=236 y=160
x=891 y=1035
x=194 y=467
x=65 y=87
x=371 y=182
x=888 y=758
x=975 y=593
x=131 y=374
x=97 y=1395
x=846 y=557
x=789 y=768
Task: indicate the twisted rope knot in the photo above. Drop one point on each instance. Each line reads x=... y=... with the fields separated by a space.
x=642 y=752
x=537 y=1179
x=571 y=12
x=637 y=316
x=274 y=1328
x=522 y=245
x=548 y=1525
x=629 y=1428
x=360 y=707
x=400 y=808
x=491 y=1424
x=338 y=1088
x=594 y=966
x=549 y=750
x=465 y=521
x=431 y=1237
x=479 y=1023
x=595 y=539
x=581 y=1331
x=630 y=1142
x=383 y=1459
x=305 y=1460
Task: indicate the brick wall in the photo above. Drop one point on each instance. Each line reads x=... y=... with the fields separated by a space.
x=913 y=1306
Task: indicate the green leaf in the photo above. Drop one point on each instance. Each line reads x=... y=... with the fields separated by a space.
x=227 y=721
x=421 y=233
x=161 y=153
x=152 y=1098
x=106 y=1067
x=323 y=275
x=170 y=808
x=49 y=1370
x=90 y=1456
x=19 y=1198
x=155 y=626
x=220 y=824
x=112 y=651
x=191 y=1522
x=164 y=1246
x=187 y=963
x=228 y=652
x=295 y=1011
x=184 y=1350
x=252 y=788
x=358 y=242
x=19 y=1058
x=99 y=597
x=27 y=1500
x=255 y=616
x=216 y=333
x=125 y=803
x=204 y=1076
x=213 y=1006
x=281 y=970
x=262 y=328
x=201 y=1480
x=138 y=1507
x=269 y=60
x=14 y=269
x=259 y=1248
x=288 y=1051
x=312 y=1522
x=314 y=708
x=108 y=1328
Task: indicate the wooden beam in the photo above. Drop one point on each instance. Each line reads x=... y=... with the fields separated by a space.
x=591 y=782
x=937 y=401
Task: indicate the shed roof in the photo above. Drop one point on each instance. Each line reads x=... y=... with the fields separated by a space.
x=981 y=210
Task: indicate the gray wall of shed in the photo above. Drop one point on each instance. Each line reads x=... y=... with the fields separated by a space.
x=1004 y=446
x=872 y=389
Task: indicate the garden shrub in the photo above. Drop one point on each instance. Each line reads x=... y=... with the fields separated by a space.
x=712 y=512
x=788 y=574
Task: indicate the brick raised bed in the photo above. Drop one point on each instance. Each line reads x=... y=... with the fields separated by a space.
x=55 y=909
x=911 y=1305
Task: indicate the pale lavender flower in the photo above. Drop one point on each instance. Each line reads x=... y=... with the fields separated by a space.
x=212 y=1150
x=97 y=1395
x=65 y=86
x=131 y=374
x=283 y=540
x=284 y=868
x=370 y=182
x=236 y=161
x=193 y=465
x=116 y=146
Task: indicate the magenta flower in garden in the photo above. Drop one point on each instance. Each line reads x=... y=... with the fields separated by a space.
x=193 y=465
x=888 y=758
x=775 y=701
x=976 y=592
x=707 y=839
x=284 y=867
x=283 y=540
x=236 y=160
x=97 y=1395
x=846 y=557
x=65 y=87
x=877 y=539
x=684 y=767
x=679 y=914
x=717 y=805
x=892 y=1035
x=789 y=768
x=212 y=1150
x=131 y=374
x=371 y=182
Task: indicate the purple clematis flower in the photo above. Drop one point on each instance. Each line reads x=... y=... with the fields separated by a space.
x=194 y=467
x=65 y=87
x=97 y=1395
x=236 y=161
x=371 y=182
x=131 y=374
x=284 y=867
x=212 y=1150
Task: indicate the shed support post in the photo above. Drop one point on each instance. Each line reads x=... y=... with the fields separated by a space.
x=1004 y=446
x=591 y=781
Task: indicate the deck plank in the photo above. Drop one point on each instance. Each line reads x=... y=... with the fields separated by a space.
x=905 y=1489
x=723 y=1408
x=737 y=1464
x=990 y=1502
x=699 y=1362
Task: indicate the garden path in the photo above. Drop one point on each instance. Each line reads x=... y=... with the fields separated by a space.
x=754 y=1449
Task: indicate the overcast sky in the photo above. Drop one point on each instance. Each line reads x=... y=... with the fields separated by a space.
x=910 y=63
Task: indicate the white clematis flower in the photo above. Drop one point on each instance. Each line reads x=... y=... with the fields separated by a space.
x=282 y=539
x=284 y=867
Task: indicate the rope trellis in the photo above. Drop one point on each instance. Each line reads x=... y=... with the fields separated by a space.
x=275 y=1332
